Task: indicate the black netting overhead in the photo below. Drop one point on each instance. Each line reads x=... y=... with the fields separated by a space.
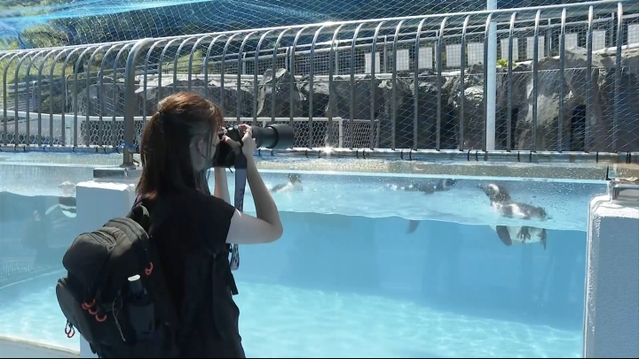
x=45 y=23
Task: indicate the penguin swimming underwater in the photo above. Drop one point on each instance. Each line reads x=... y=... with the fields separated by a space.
x=428 y=187
x=521 y=234
x=294 y=184
x=502 y=203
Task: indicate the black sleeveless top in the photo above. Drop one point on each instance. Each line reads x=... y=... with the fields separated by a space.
x=191 y=241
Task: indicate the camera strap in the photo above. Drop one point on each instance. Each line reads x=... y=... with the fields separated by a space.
x=238 y=201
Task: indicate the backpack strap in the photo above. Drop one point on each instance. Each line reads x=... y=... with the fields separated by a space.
x=140 y=213
x=149 y=221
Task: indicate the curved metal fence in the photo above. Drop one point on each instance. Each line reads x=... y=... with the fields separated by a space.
x=533 y=84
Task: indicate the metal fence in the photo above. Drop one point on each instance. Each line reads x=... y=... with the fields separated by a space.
x=425 y=91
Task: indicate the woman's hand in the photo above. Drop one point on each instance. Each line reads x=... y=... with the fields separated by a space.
x=248 y=142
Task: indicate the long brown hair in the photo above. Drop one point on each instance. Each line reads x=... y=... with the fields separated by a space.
x=165 y=146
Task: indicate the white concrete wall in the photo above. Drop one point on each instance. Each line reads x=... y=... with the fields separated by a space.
x=98 y=202
x=611 y=309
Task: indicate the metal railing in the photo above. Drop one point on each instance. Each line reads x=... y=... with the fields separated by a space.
x=404 y=87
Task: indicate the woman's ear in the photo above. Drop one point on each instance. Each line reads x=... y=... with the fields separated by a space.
x=201 y=146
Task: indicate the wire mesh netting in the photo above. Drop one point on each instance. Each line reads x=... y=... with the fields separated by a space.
x=424 y=86
x=38 y=23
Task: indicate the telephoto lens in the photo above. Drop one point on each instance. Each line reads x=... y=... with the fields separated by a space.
x=276 y=136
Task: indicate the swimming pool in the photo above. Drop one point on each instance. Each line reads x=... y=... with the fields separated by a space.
x=350 y=278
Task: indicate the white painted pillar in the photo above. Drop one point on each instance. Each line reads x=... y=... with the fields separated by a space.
x=111 y=194
x=611 y=309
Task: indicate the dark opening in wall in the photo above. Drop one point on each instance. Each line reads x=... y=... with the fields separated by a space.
x=578 y=122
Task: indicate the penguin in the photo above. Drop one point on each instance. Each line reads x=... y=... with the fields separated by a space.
x=521 y=234
x=502 y=203
x=428 y=187
x=294 y=184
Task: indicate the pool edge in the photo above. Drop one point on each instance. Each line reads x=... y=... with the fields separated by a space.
x=58 y=350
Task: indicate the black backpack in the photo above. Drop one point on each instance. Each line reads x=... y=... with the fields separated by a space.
x=115 y=293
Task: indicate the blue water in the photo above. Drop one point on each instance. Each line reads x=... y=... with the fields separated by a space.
x=347 y=280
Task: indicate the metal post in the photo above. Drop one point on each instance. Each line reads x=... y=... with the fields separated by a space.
x=130 y=103
x=492 y=48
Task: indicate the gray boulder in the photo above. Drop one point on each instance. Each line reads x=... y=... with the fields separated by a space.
x=286 y=95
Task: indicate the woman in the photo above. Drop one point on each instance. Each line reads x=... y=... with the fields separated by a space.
x=178 y=146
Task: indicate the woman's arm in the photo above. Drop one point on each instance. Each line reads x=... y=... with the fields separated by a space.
x=266 y=227
x=221 y=188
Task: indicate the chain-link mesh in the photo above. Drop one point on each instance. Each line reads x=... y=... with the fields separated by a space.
x=423 y=88
x=46 y=23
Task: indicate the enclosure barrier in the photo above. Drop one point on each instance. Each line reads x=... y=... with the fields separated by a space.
x=413 y=87
x=611 y=302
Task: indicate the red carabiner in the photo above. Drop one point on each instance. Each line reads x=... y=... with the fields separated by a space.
x=101 y=319
x=69 y=330
x=87 y=306
x=149 y=270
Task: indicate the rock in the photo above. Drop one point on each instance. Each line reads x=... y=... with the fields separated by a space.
x=548 y=100
x=105 y=100
x=573 y=120
x=404 y=112
x=318 y=108
x=519 y=80
x=233 y=100
x=626 y=133
x=320 y=96
x=237 y=102
x=400 y=110
x=280 y=85
x=427 y=114
x=363 y=100
x=472 y=114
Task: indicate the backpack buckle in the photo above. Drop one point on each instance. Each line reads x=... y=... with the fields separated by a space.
x=149 y=270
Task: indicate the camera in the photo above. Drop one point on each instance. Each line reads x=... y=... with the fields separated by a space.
x=276 y=136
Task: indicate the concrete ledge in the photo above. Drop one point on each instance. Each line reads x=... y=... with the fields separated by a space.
x=27 y=349
x=575 y=172
x=56 y=162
